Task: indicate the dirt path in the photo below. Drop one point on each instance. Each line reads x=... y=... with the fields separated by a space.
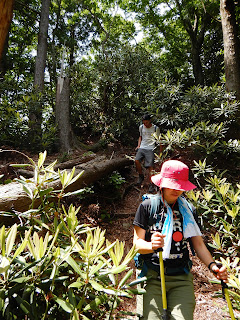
x=209 y=306
x=119 y=226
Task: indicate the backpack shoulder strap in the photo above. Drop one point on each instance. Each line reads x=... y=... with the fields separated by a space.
x=155 y=198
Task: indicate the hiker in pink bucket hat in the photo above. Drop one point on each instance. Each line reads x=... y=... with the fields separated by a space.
x=166 y=222
x=174 y=175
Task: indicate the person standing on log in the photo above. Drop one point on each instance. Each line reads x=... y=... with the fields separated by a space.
x=166 y=222
x=145 y=149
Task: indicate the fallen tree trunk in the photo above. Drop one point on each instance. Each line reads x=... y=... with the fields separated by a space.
x=63 y=165
x=13 y=198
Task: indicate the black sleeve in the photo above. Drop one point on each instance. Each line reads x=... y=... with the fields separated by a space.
x=142 y=215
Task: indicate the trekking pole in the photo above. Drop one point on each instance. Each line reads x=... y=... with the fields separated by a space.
x=163 y=285
x=226 y=297
x=225 y=294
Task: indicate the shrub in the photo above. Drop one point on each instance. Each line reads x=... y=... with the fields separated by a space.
x=55 y=267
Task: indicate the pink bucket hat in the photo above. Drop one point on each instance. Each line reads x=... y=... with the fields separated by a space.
x=174 y=175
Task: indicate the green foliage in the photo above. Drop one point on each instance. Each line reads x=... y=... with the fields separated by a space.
x=173 y=28
x=233 y=269
x=218 y=204
x=116 y=179
x=201 y=140
x=175 y=107
x=62 y=274
x=111 y=92
x=60 y=269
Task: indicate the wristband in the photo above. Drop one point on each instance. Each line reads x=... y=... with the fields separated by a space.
x=209 y=266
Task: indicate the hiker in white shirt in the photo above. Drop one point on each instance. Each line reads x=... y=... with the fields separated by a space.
x=145 y=149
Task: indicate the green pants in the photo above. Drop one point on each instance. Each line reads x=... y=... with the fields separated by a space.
x=180 y=297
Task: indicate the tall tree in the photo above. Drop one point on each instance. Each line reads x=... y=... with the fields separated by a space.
x=190 y=19
x=35 y=112
x=231 y=46
x=42 y=46
x=6 y=13
x=195 y=22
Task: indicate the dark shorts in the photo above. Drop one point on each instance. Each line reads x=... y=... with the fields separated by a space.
x=147 y=155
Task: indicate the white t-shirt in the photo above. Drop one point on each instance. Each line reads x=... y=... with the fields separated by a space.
x=148 y=141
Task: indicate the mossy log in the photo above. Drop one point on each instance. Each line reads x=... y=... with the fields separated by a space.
x=13 y=198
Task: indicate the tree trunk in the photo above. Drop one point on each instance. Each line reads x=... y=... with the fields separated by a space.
x=196 y=32
x=231 y=46
x=231 y=56
x=6 y=13
x=42 y=46
x=63 y=114
x=197 y=64
x=13 y=198
x=35 y=112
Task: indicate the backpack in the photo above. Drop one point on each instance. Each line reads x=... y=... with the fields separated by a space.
x=141 y=128
x=138 y=259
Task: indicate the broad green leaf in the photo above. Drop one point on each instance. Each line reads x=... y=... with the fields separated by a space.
x=106 y=249
x=110 y=291
x=88 y=242
x=135 y=282
x=42 y=224
x=95 y=303
x=22 y=279
x=23 y=165
x=217 y=240
x=45 y=191
x=76 y=178
x=130 y=255
x=63 y=177
x=36 y=242
x=3 y=239
x=51 y=166
x=23 y=245
x=76 y=284
x=75 y=315
x=66 y=306
x=28 y=191
x=31 y=248
x=54 y=271
x=59 y=227
x=73 y=264
x=70 y=176
x=235 y=262
x=136 y=291
x=207 y=195
x=125 y=278
x=24 y=305
x=96 y=268
x=45 y=243
x=115 y=270
x=4 y=265
x=114 y=258
x=233 y=212
x=11 y=239
x=97 y=286
x=42 y=158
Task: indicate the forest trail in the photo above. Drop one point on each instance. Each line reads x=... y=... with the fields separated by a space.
x=209 y=302
x=119 y=225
